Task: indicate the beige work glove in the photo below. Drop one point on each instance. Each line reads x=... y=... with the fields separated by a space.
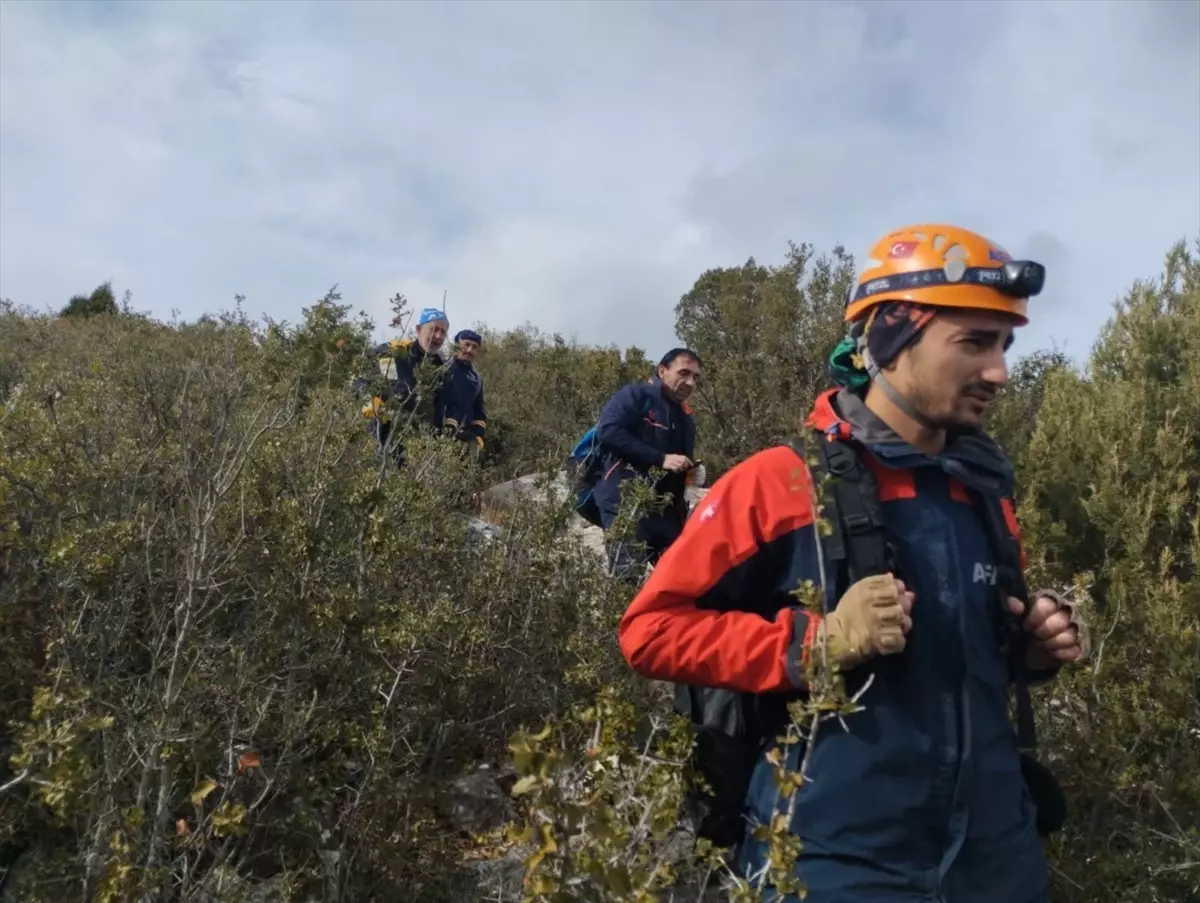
x=871 y=619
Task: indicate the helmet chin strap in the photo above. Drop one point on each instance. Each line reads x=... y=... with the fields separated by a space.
x=893 y=393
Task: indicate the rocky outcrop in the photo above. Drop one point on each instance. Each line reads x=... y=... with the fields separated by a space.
x=531 y=487
x=499 y=500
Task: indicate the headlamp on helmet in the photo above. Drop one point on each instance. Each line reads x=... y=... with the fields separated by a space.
x=1016 y=278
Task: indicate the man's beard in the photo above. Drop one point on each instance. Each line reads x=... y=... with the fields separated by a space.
x=950 y=421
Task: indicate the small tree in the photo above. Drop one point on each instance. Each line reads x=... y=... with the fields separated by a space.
x=100 y=301
x=765 y=334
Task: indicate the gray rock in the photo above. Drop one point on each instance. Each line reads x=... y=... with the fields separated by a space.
x=499 y=880
x=476 y=803
x=482 y=531
x=535 y=487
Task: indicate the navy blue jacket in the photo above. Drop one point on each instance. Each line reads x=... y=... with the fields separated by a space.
x=637 y=427
x=465 y=413
x=920 y=796
x=403 y=365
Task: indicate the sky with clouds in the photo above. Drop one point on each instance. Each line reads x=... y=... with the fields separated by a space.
x=578 y=164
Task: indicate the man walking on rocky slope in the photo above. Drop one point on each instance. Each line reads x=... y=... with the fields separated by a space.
x=646 y=426
x=925 y=793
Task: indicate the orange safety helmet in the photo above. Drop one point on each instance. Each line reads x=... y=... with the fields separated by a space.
x=944 y=266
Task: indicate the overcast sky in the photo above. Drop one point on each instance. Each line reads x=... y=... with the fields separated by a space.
x=577 y=164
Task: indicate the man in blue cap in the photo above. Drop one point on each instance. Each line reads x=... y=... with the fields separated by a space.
x=466 y=416
x=414 y=372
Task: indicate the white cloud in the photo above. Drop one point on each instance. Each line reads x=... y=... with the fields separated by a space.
x=579 y=164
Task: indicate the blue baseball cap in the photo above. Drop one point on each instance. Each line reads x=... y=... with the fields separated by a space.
x=430 y=314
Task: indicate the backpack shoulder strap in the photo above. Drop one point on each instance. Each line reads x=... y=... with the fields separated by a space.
x=857 y=545
x=1009 y=582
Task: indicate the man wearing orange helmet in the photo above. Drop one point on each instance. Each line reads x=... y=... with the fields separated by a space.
x=926 y=795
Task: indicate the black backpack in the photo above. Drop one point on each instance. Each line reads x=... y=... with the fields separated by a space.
x=733 y=729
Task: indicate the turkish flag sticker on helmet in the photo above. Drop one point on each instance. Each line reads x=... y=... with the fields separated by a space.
x=901 y=249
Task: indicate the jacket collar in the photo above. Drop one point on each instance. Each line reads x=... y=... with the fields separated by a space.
x=974 y=458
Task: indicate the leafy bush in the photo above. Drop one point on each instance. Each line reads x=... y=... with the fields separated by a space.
x=1112 y=504
x=236 y=647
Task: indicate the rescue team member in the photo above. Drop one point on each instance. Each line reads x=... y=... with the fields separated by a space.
x=405 y=365
x=922 y=797
x=466 y=415
x=643 y=426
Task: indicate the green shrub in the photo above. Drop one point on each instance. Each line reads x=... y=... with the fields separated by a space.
x=237 y=647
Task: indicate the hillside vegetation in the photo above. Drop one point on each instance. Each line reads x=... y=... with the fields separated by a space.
x=243 y=662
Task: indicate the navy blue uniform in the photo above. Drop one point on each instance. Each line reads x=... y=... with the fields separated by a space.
x=921 y=797
x=465 y=412
x=637 y=428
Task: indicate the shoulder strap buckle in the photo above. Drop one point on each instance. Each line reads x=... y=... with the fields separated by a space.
x=858 y=524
